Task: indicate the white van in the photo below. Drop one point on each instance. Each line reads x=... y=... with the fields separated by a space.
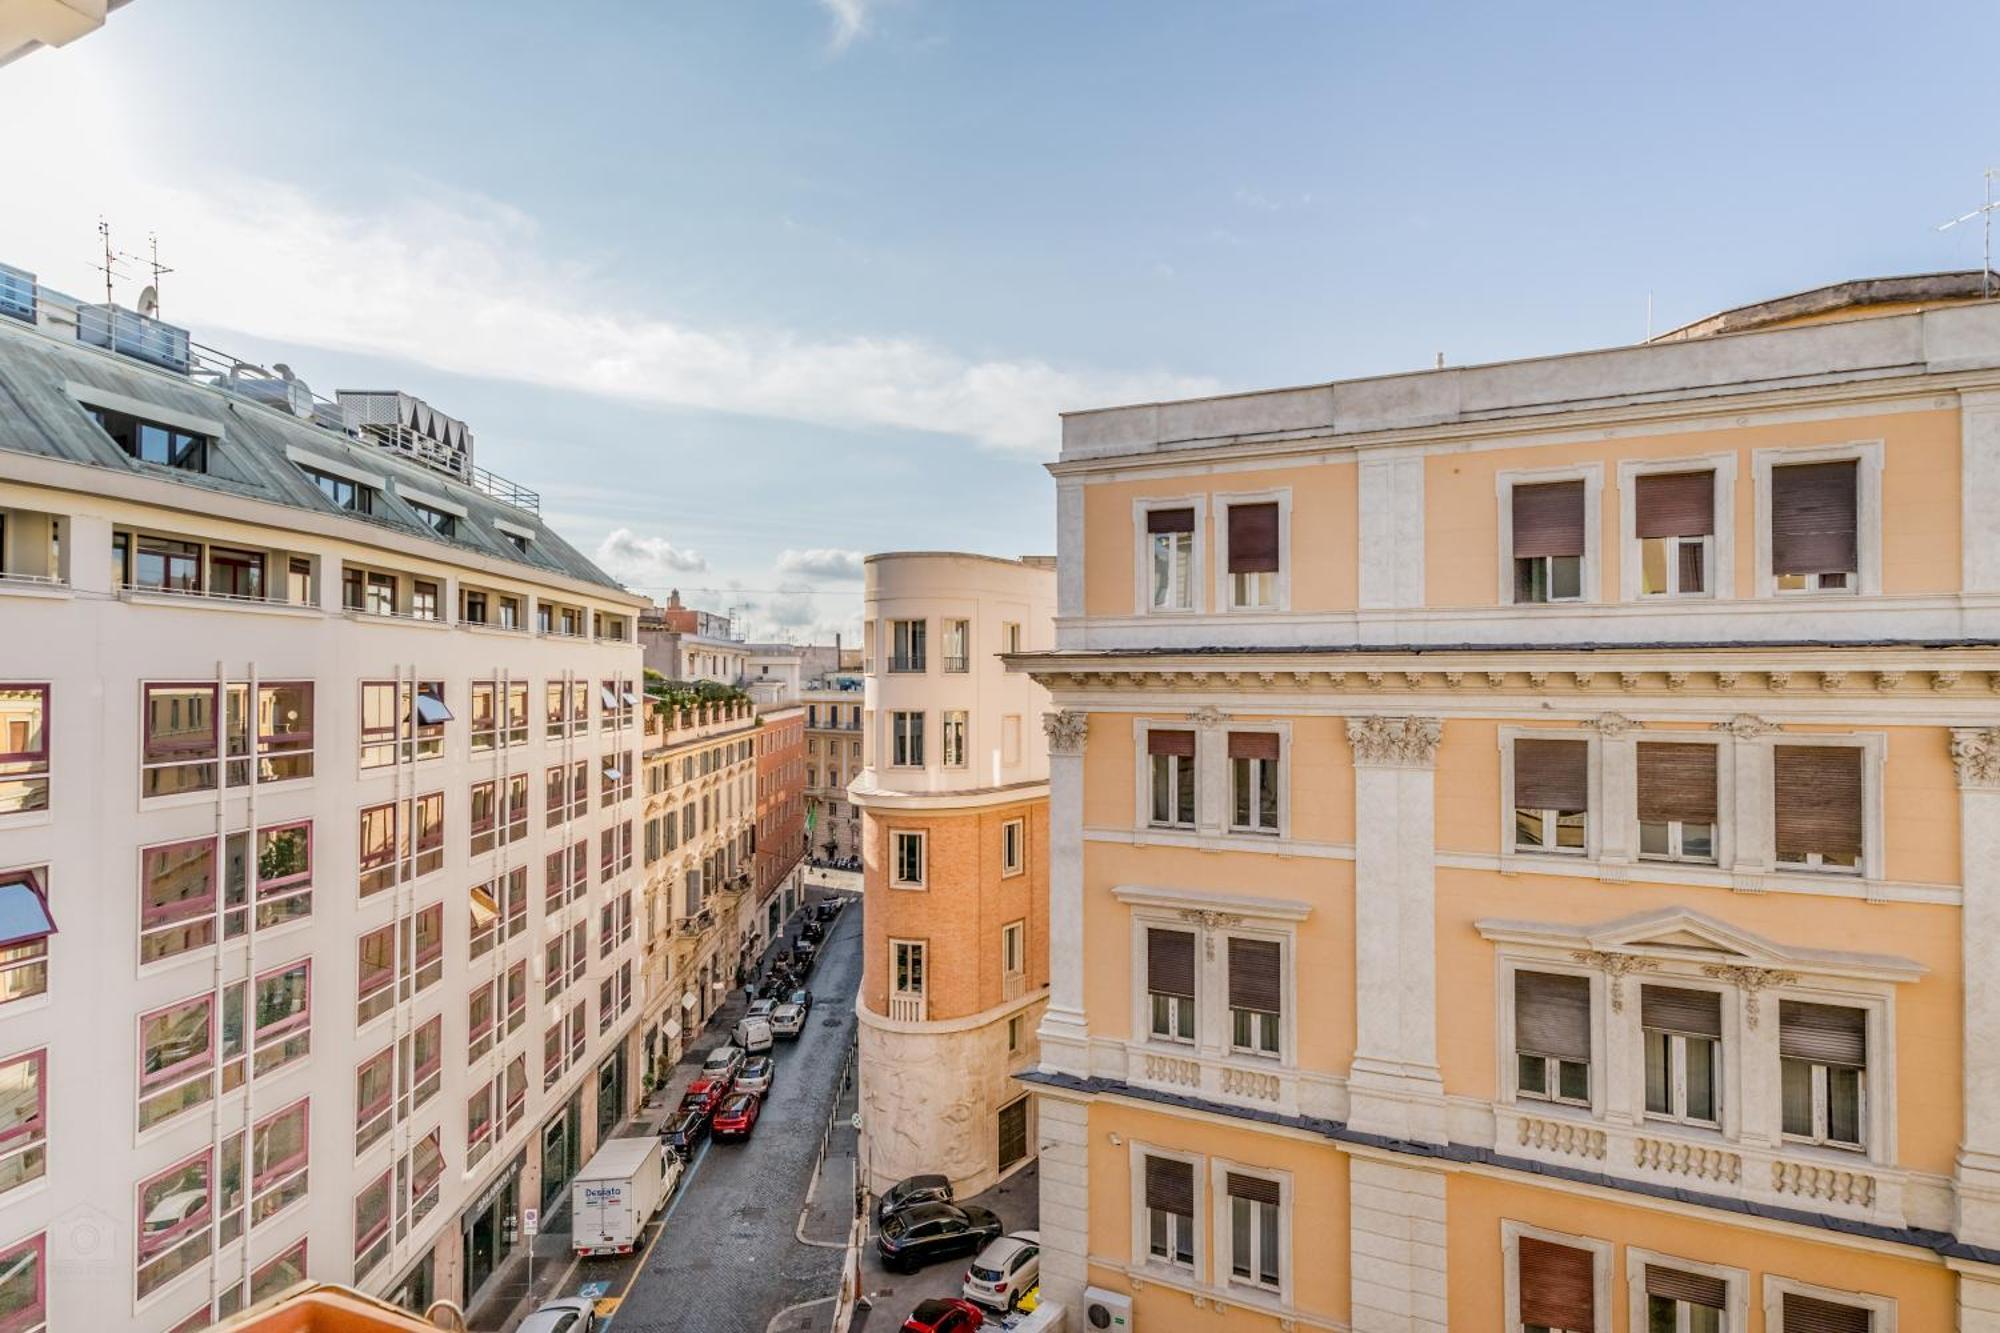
x=752 y=1034
x=618 y=1192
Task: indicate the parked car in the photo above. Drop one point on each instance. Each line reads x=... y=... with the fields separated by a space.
x=570 y=1314
x=1030 y=1299
x=686 y=1128
x=777 y=986
x=944 y=1315
x=758 y=1071
x=737 y=1116
x=808 y=954
x=787 y=1020
x=722 y=1063
x=1004 y=1270
x=619 y=1190
x=752 y=1035
x=829 y=908
x=912 y=1190
x=927 y=1232
x=761 y=1007
x=803 y=998
x=705 y=1094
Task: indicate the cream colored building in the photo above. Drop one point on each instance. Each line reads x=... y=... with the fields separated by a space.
x=28 y=25
x=954 y=808
x=833 y=759
x=1526 y=840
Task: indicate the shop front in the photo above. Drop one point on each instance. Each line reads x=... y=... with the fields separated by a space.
x=562 y=1154
x=489 y=1228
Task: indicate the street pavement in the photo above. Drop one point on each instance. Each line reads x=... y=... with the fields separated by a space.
x=890 y=1296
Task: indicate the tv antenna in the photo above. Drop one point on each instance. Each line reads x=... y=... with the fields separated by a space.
x=149 y=300
x=1985 y=215
x=109 y=266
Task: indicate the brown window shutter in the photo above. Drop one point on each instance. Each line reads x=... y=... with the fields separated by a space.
x=1255 y=976
x=1814 y=514
x=1551 y=775
x=1552 y=1015
x=1672 y=1009
x=1817 y=791
x=1254 y=1188
x=1548 y=519
x=1170 y=1185
x=1694 y=1288
x=1677 y=782
x=1253 y=538
x=1674 y=504
x=1558 y=1286
x=1170 y=742
x=1170 y=962
x=1253 y=745
x=1831 y=1034
x=1809 y=1314
x=1170 y=520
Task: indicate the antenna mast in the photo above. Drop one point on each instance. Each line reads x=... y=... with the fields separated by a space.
x=1985 y=215
x=109 y=266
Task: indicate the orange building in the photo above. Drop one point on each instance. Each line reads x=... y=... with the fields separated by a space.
x=780 y=842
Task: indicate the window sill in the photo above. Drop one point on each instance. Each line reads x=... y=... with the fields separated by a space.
x=214 y=602
x=394 y=618
x=33 y=586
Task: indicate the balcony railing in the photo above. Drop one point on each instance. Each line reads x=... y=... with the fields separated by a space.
x=957 y=664
x=1013 y=985
x=906 y=1008
x=903 y=662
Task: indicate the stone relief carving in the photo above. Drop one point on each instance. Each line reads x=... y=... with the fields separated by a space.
x=1750 y=980
x=1976 y=752
x=1066 y=731
x=1208 y=716
x=1611 y=724
x=1746 y=726
x=1615 y=966
x=1210 y=923
x=1403 y=742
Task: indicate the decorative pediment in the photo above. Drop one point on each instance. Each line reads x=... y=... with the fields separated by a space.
x=1680 y=934
x=1200 y=902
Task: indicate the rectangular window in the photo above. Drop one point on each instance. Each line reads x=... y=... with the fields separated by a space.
x=423 y=949
x=907 y=858
x=1253 y=1230
x=1681 y=1302
x=1253 y=554
x=24 y=1128
x=397 y=718
x=479 y=1124
x=1674 y=521
x=1809 y=1314
x=427 y=829
x=182 y=740
x=1677 y=802
x=485 y=723
x=24 y=1290
x=1013 y=846
x=485 y=820
x=379 y=594
x=1817 y=792
x=1551 y=795
x=158 y=564
x=958 y=645
x=278 y=1273
x=1170 y=992
x=954 y=725
x=371 y=1225
x=517 y=996
x=1552 y=1037
x=1170 y=555
x=1683 y=1035
x=1823 y=1063
x=24 y=748
x=423 y=1065
x=278 y=1151
x=484 y=924
x=1548 y=541
x=374 y=1098
x=1170 y=1211
x=176 y=1059
x=516 y=809
x=349 y=495
x=423 y=600
x=907 y=652
x=380 y=856
x=284 y=732
x=233 y=573
x=1256 y=988
x=1815 y=527
x=1170 y=755
x=176 y=898
x=480 y=1021
x=1557 y=1286
x=174 y=1214
x=907 y=963
x=906 y=746
x=1013 y=948
x=283 y=1031
x=152 y=442
x=1253 y=776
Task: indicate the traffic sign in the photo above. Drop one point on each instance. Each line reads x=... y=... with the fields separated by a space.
x=531 y=1221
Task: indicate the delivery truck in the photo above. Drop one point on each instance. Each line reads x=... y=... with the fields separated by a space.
x=618 y=1192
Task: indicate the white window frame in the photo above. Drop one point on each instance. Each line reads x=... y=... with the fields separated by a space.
x=1677 y=1054
x=1142 y=1237
x=1881 y=1309
x=896 y=840
x=1626 y=751
x=1600 y=1251
x=1593 y=819
x=1874 y=747
x=1017 y=864
x=1510 y=1080
x=963 y=757
x=1736 y=1282
x=1281 y=584
x=1273 y=919
x=1142 y=729
x=1222 y=1228
x=1590 y=576
x=1142 y=555
x=1283 y=828
x=1878 y=1111
x=1721 y=544
x=1014 y=939
x=1868 y=456
x=920 y=949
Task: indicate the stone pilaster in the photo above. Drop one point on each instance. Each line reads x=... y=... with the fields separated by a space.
x=1064 y=1031
x=1979 y=488
x=1063 y=1130
x=1396 y=1228
x=1394 y=1087
x=1976 y=751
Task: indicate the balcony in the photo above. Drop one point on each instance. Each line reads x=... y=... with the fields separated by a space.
x=1013 y=985
x=907 y=1008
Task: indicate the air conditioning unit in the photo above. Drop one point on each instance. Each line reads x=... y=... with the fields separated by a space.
x=1107 y=1310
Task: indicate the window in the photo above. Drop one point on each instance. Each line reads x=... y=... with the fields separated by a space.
x=480 y=1020
x=1815 y=527
x=24 y=748
x=423 y=1066
x=472 y=606
x=283 y=1031
x=349 y=495
x=156 y=564
x=376 y=987
x=423 y=600
x=1683 y=1034
x=380 y=857
x=958 y=645
x=1683 y=1302
x=517 y=996
x=1014 y=948
x=233 y=573
x=906 y=749
x=1012 y=1124
x=1677 y=802
x=1170 y=755
x=907 y=858
x=427 y=822
x=181 y=741
x=176 y=898
x=423 y=949
x=1674 y=521
x=176 y=1059
x=485 y=725
x=1253 y=546
x=1253 y=778
x=1552 y=1037
x=371 y=1225
x=278 y=1150
x=398 y=717
x=1549 y=541
x=152 y=442
x=379 y=594
x=907 y=636
x=513 y=887
x=1823 y=1063
x=278 y=1273
x=284 y=737
x=1254 y=1252
x=1010 y=636
x=24 y=1288
x=1013 y=846
x=484 y=925
x=516 y=810
x=1551 y=795
x=1256 y=987
x=1810 y=1314
x=907 y=966
x=1170 y=983
x=517 y=713
x=1017 y=1030
x=24 y=1128
x=374 y=1098
x=173 y=1225
x=1169 y=1199
x=1817 y=791
x=437 y=520
x=954 y=739
x=1170 y=560
x=1556 y=1287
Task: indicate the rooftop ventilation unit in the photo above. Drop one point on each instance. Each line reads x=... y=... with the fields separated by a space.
x=406 y=425
x=129 y=333
x=17 y=293
x=282 y=390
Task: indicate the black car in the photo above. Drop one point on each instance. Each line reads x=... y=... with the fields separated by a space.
x=803 y=998
x=684 y=1130
x=776 y=986
x=808 y=953
x=924 y=1233
x=910 y=1191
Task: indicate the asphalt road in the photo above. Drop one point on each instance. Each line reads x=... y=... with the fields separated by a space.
x=729 y=1259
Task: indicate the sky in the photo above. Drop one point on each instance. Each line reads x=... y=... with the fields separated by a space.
x=749 y=288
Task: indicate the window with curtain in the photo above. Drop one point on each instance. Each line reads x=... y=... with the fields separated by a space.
x=1548 y=541
x=1170 y=555
x=1823 y=1064
x=1253 y=781
x=1683 y=1038
x=1551 y=795
x=1674 y=520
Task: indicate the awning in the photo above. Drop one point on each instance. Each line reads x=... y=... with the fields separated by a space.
x=631 y=699
x=24 y=913
x=484 y=910
x=608 y=695
x=431 y=711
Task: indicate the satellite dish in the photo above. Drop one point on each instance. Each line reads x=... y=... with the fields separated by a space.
x=149 y=303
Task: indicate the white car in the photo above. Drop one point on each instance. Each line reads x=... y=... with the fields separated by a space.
x=571 y=1314
x=761 y=1008
x=1004 y=1270
x=788 y=1019
x=752 y=1034
x=722 y=1064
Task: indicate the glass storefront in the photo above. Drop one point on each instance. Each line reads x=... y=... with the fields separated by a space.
x=610 y=1094
x=562 y=1149
x=490 y=1230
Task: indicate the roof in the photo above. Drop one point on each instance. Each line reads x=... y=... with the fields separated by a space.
x=43 y=376
x=616 y=1159
x=1856 y=294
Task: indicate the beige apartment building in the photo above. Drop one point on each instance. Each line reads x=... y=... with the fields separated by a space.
x=316 y=821
x=833 y=707
x=1526 y=840
x=954 y=808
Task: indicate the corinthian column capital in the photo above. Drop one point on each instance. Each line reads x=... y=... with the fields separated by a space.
x=1395 y=742
x=1066 y=731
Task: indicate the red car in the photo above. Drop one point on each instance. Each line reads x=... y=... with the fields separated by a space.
x=704 y=1095
x=737 y=1116
x=949 y=1315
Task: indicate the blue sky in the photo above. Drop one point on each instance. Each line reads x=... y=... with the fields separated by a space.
x=763 y=285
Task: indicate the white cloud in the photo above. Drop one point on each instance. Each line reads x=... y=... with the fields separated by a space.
x=850 y=17
x=646 y=563
x=822 y=562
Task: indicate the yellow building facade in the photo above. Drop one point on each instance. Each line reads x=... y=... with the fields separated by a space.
x=1523 y=840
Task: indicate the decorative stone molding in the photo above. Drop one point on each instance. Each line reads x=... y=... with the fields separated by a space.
x=1750 y=980
x=1778 y=681
x=1827 y=1183
x=1696 y=1160
x=1976 y=752
x=1888 y=680
x=1066 y=731
x=1584 y=679
x=1677 y=680
x=1251 y=1083
x=1210 y=923
x=1727 y=680
x=1832 y=680
x=1209 y=716
x=1611 y=724
x=1397 y=742
x=1173 y=1069
x=1454 y=679
x=1563 y=1136
x=1616 y=966
x=1944 y=680
x=1746 y=726
x=1495 y=679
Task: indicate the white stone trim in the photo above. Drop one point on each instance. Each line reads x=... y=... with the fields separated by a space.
x=1736 y=1308
x=1070 y=506
x=1398 y=1266
x=1220 y=900
x=1142 y=556
x=1513 y=861
x=1600 y=1251
x=1881 y=1309
x=1136 y=1153
x=1722 y=546
x=1166 y=837
x=1979 y=489
x=1254 y=1294
x=1390 y=498
x=1868 y=515
x=1282 y=585
x=1691 y=875
x=1212 y=1051
x=1620 y=767
x=1592 y=477
x=1874 y=747
x=89 y=395
x=335 y=467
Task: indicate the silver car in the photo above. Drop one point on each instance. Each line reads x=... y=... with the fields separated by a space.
x=1004 y=1270
x=758 y=1071
x=788 y=1020
x=570 y=1314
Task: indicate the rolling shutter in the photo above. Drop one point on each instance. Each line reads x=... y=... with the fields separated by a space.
x=1170 y=962
x=1672 y=1009
x=1170 y=520
x=1254 y=1188
x=1817 y=791
x=1808 y=1314
x=1170 y=742
x=1551 y=775
x=1548 y=519
x=1255 y=977
x=1253 y=745
x=1170 y=1186
x=1676 y=782
x=1552 y=1015
x=1831 y=1034
x=1558 y=1288
x=1694 y=1288
x=1253 y=538
x=1813 y=518
x=1674 y=504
